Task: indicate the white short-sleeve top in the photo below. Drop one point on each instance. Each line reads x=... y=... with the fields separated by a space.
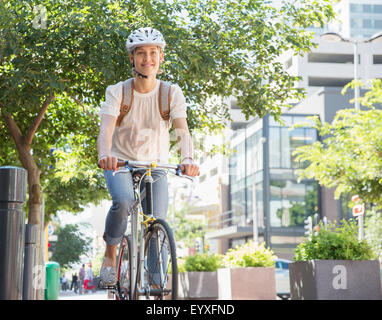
x=143 y=134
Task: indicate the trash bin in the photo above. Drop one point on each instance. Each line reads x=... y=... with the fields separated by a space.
x=52 y=277
x=13 y=185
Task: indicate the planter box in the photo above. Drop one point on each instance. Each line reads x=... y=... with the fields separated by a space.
x=198 y=285
x=335 y=280
x=247 y=284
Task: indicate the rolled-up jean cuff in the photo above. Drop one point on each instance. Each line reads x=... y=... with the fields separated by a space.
x=112 y=241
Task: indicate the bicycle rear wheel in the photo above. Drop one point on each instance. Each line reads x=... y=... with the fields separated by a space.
x=160 y=279
x=123 y=270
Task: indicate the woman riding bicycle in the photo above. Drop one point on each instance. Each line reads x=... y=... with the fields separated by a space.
x=141 y=134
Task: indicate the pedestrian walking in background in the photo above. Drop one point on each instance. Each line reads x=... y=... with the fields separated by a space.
x=74 y=284
x=89 y=276
x=64 y=282
x=81 y=279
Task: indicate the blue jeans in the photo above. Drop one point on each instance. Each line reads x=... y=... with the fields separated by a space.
x=121 y=191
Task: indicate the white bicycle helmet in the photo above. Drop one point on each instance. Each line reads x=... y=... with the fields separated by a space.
x=144 y=36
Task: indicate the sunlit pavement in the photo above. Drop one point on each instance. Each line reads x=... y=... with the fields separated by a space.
x=70 y=295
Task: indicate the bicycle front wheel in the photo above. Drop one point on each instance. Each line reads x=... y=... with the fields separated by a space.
x=123 y=291
x=160 y=279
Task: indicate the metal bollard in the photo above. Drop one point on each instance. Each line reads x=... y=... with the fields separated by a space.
x=29 y=287
x=13 y=186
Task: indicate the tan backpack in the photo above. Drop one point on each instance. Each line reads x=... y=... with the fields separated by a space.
x=128 y=93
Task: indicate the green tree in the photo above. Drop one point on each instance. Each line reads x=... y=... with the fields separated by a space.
x=349 y=157
x=57 y=57
x=373 y=230
x=71 y=244
x=186 y=229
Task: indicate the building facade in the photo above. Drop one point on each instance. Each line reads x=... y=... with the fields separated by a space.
x=265 y=201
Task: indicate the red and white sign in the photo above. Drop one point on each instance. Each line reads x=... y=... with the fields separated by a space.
x=358 y=210
x=355 y=199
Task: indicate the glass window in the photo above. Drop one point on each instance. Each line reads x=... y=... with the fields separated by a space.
x=355 y=7
x=297 y=139
x=259 y=204
x=366 y=8
x=378 y=24
x=238 y=204
x=274 y=147
x=377 y=8
x=292 y=202
x=283 y=141
x=366 y=23
x=285 y=148
x=237 y=163
x=355 y=23
x=254 y=153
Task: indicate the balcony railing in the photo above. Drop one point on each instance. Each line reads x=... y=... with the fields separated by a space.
x=225 y=219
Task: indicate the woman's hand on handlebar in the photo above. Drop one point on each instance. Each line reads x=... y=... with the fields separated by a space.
x=108 y=163
x=190 y=168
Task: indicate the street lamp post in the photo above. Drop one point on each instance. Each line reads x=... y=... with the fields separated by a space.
x=335 y=37
x=356 y=88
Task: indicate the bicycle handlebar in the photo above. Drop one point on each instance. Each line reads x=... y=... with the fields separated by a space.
x=148 y=164
x=153 y=165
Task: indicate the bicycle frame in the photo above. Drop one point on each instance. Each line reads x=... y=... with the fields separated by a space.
x=135 y=211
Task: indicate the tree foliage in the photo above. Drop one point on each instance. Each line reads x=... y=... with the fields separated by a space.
x=349 y=157
x=71 y=244
x=57 y=57
x=186 y=229
x=373 y=230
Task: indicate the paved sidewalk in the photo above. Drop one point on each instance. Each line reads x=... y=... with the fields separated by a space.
x=70 y=295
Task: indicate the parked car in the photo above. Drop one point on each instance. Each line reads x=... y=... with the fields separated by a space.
x=282 y=278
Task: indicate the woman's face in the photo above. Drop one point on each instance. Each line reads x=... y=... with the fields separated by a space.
x=147 y=59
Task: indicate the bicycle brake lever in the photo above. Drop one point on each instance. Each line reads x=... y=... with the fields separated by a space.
x=178 y=172
x=125 y=169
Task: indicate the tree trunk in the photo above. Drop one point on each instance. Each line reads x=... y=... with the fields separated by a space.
x=23 y=144
x=34 y=214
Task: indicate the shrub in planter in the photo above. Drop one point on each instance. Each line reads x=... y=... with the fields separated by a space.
x=203 y=262
x=198 y=276
x=335 y=243
x=334 y=264
x=248 y=274
x=249 y=255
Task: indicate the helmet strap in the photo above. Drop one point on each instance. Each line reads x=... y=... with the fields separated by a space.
x=140 y=75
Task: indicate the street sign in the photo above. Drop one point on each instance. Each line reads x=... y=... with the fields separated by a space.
x=53 y=237
x=355 y=199
x=358 y=210
x=50 y=229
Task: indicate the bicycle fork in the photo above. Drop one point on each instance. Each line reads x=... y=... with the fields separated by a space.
x=134 y=252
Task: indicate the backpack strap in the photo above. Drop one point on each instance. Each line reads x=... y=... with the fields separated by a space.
x=164 y=100
x=127 y=93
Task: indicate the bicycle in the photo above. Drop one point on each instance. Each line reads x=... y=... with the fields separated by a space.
x=138 y=275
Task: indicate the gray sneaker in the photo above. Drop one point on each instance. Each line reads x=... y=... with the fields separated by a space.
x=108 y=275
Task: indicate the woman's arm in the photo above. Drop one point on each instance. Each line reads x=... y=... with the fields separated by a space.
x=189 y=167
x=105 y=160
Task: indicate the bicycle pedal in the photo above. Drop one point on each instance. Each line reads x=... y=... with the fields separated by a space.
x=107 y=287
